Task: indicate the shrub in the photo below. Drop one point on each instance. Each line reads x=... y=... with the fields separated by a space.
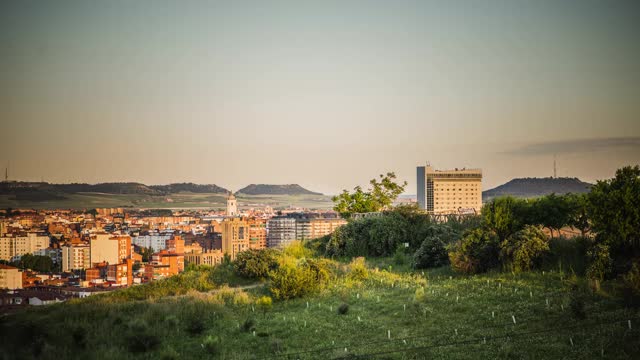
x=211 y=345
x=568 y=254
x=477 y=252
x=264 y=303
x=343 y=309
x=196 y=326
x=631 y=286
x=399 y=257
x=256 y=264
x=292 y=280
x=419 y=295
x=248 y=325
x=139 y=342
x=599 y=262
x=576 y=303
x=358 y=269
x=431 y=253
x=525 y=249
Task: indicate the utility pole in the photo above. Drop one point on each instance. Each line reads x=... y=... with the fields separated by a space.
x=555 y=173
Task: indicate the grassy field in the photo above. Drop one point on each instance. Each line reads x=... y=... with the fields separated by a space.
x=173 y=201
x=391 y=316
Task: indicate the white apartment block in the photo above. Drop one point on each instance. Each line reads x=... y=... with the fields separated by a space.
x=11 y=246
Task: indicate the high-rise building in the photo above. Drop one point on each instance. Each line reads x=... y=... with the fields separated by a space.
x=232 y=205
x=257 y=233
x=449 y=191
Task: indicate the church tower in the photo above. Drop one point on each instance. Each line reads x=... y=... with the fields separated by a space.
x=232 y=205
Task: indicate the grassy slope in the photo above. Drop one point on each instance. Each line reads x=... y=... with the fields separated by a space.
x=376 y=306
x=179 y=200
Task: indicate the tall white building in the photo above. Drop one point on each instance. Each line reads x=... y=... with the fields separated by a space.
x=449 y=191
x=11 y=246
x=232 y=205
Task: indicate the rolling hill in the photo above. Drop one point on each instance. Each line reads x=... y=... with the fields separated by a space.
x=533 y=187
x=264 y=189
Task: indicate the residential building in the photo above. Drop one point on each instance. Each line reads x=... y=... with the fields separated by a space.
x=257 y=233
x=235 y=236
x=280 y=231
x=12 y=246
x=449 y=191
x=155 y=241
x=121 y=274
x=76 y=257
x=111 y=249
x=211 y=258
x=10 y=277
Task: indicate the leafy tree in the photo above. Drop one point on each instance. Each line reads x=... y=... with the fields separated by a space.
x=505 y=216
x=551 y=211
x=378 y=198
x=147 y=254
x=476 y=252
x=525 y=249
x=256 y=264
x=433 y=250
x=614 y=211
x=35 y=262
x=264 y=303
x=578 y=213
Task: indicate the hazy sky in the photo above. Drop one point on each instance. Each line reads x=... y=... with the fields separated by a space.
x=326 y=94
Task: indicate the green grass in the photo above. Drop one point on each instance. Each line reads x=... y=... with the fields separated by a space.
x=459 y=317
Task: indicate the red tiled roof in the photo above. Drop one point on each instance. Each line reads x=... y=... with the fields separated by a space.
x=2 y=266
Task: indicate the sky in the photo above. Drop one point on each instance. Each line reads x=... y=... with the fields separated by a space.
x=326 y=94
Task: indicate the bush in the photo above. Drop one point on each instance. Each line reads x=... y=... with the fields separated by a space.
x=477 y=252
x=576 y=303
x=142 y=341
x=264 y=303
x=256 y=264
x=211 y=345
x=568 y=254
x=343 y=309
x=399 y=257
x=599 y=262
x=358 y=269
x=525 y=249
x=419 y=295
x=196 y=326
x=631 y=286
x=248 y=325
x=431 y=253
x=292 y=280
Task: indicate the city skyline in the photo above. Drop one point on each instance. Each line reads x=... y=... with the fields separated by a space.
x=326 y=95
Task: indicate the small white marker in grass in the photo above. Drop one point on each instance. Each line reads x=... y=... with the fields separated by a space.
x=331 y=307
x=457 y=298
x=513 y=317
x=359 y=318
x=547 y=300
x=254 y=333
x=389 y=334
x=404 y=341
x=404 y=307
x=561 y=307
x=357 y=295
x=456 y=332
x=530 y=294
x=484 y=340
x=378 y=298
x=345 y=350
x=307 y=304
x=493 y=314
x=629 y=324
x=305 y=323
x=333 y=342
x=253 y=308
x=571 y=341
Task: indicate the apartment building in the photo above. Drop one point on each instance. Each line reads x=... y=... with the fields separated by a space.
x=308 y=228
x=281 y=231
x=76 y=257
x=10 y=277
x=449 y=191
x=19 y=245
x=212 y=257
x=155 y=241
x=257 y=233
x=108 y=248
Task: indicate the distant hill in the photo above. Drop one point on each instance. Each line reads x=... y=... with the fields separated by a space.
x=42 y=191
x=533 y=187
x=190 y=187
x=264 y=189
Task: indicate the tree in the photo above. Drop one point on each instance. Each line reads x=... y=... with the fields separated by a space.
x=614 y=210
x=264 y=303
x=379 y=197
x=552 y=212
x=147 y=254
x=505 y=216
x=476 y=252
x=578 y=216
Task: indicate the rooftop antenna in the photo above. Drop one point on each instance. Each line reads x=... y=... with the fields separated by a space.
x=6 y=173
x=555 y=173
